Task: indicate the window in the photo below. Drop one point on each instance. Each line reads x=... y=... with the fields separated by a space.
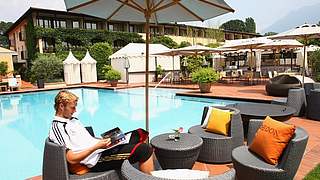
x=131 y=28
x=183 y=32
x=22 y=36
x=40 y=22
x=169 y=31
x=75 y=24
x=93 y=25
x=110 y=27
x=46 y=23
x=63 y=24
x=48 y=44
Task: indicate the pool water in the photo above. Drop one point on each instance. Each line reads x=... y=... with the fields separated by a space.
x=25 y=120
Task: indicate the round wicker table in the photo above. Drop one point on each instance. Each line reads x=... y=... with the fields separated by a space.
x=181 y=154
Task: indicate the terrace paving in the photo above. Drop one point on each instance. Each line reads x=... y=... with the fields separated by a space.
x=312 y=153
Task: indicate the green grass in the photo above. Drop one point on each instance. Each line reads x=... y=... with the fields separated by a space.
x=314 y=174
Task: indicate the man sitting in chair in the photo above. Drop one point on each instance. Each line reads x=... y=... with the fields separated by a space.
x=86 y=153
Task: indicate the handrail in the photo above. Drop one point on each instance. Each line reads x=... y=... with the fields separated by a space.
x=162 y=79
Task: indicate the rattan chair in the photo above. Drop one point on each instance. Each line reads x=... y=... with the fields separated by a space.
x=55 y=167
x=217 y=148
x=249 y=166
x=129 y=172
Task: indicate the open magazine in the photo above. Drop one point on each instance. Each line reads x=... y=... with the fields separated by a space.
x=117 y=137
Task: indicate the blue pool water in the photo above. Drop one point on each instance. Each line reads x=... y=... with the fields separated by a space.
x=25 y=120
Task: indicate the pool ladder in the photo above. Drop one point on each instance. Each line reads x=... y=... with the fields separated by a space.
x=162 y=79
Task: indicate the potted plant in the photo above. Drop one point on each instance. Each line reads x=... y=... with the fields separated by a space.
x=205 y=77
x=112 y=76
x=3 y=69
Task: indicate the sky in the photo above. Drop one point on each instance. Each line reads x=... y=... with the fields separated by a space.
x=265 y=13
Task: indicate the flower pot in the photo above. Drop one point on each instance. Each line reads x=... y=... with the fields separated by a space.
x=40 y=83
x=114 y=83
x=205 y=87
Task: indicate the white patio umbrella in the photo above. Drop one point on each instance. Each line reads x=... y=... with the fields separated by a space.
x=250 y=43
x=279 y=44
x=150 y=11
x=304 y=32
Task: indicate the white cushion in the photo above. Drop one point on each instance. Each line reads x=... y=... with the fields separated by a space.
x=205 y=122
x=181 y=174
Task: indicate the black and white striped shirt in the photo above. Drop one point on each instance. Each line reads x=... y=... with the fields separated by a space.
x=73 y=135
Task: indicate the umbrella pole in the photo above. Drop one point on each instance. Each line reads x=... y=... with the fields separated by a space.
x=304 y=59
x=147 y=15
x=172 y=69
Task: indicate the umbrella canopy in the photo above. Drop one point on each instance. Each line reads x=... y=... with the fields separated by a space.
x=154 y=11
x=281 y=44
x=251 y=43
x=304 y=32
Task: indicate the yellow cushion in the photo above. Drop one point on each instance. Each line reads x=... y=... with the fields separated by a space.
x=219 y=121
x=271 y=139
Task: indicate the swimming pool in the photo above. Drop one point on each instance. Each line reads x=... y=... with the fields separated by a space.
x=25 y=120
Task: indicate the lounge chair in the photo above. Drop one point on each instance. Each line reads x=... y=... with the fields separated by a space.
x=55 y=165
x=13 y=84
x=129 y=172
x=217 y=148
x=296 y=99
x=249 y=166
x=313 y=105
x=280 y=85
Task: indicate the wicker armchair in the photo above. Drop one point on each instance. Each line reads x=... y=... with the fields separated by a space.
x=249 y=166
x=217 y=148
x=55 y=165
x=129 y=172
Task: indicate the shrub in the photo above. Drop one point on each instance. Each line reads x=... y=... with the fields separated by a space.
x=101 y=52
x=106 y=68
x=205 y=75
x=165 y=40
x=184 y=44
x=47 y=67
x=160 y=70
x=3 y=68
x=315 y=63
x=194 y=63
x=113 y=75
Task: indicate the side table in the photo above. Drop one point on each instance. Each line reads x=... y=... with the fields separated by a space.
x=181 y=154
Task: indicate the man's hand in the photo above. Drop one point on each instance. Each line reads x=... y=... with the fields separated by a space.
x=103 y=143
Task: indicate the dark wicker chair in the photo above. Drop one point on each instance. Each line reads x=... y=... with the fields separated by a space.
x=217 y=148
x=249 y=166
x=55 y=165
x=313 y=105
x=280 y=85
x=129 y=172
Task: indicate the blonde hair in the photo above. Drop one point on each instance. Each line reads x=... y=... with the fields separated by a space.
x=64 y=97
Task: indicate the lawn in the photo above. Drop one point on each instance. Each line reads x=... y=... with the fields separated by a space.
x=314 y=174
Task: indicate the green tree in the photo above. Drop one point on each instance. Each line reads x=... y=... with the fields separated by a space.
x=4 y=26
x=234 y=25
x=213 y=45
x=315 y=64
x=250 y=25
x=101 y=52
x=31 y=41
x=270 y=33
x=3 y=68
x=194 y=63
x=164 y=40
x=47 y=67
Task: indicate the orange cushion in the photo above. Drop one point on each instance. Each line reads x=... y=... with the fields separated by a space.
x=78 y=169
x=219 y=121
x=271 y=139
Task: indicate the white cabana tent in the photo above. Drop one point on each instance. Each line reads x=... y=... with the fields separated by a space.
x=88 y=69
x=71 y=68
x=133 y=55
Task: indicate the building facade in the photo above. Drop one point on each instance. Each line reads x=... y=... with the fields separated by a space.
x=46 y=18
